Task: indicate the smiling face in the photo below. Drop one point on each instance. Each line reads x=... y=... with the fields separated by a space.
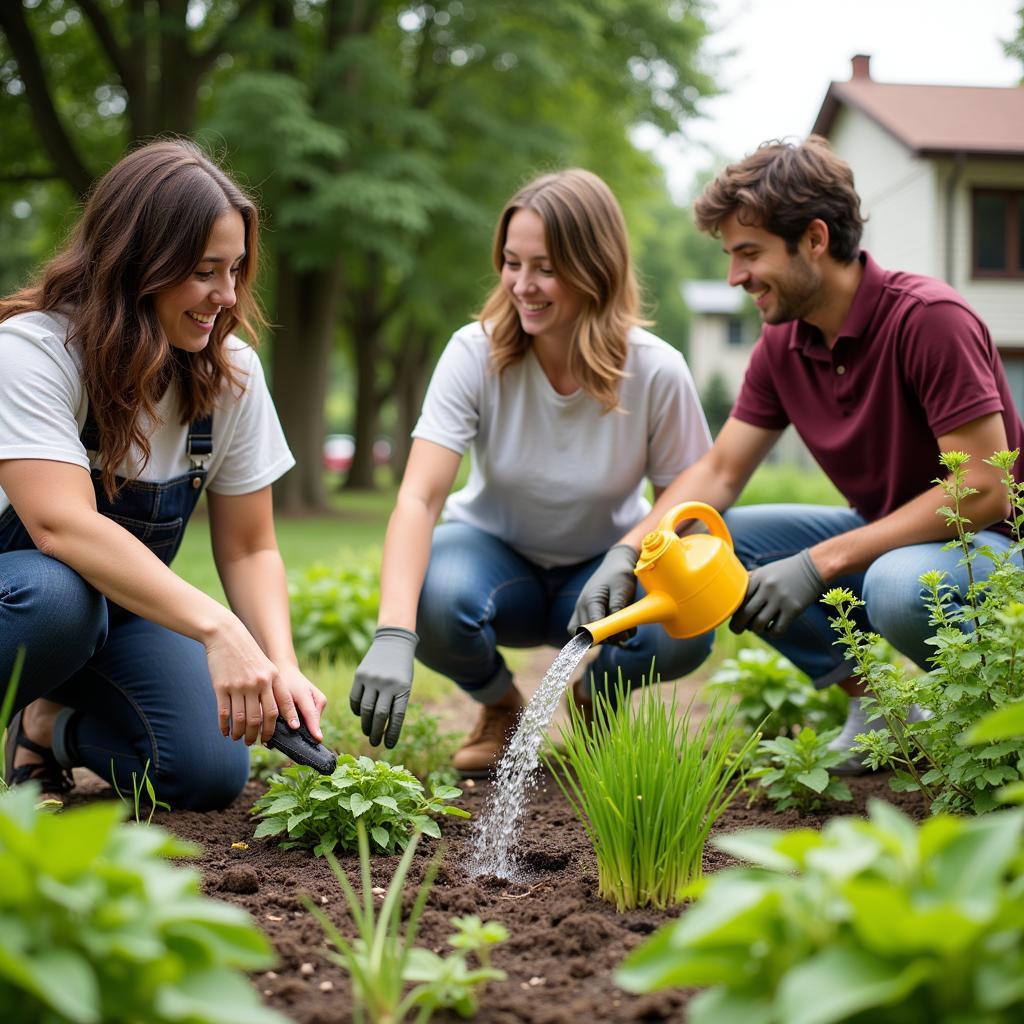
x=548 y=309
x=188 y=310
x=785 y=286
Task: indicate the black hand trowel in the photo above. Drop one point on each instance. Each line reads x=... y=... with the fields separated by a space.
x=299 y=745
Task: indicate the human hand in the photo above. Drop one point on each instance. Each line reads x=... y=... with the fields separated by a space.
x=777 y=594
x=611 y=587
x=382 y=684
x=295 y=693
x=244 y=679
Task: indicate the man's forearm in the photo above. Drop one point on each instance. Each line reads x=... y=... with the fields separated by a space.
x=916 y=522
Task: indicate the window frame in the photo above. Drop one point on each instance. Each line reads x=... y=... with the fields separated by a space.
x=1014 y=257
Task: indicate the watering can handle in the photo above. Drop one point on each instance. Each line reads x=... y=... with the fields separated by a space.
x=696 y=510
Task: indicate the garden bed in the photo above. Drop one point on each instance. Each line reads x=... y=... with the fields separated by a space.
x=564 y=941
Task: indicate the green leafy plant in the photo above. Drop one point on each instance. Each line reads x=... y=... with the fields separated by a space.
x=795 y=772
x=334 y=610
x=323 y=811
x=648 y=784
x=139 y=789
x=977 y=667
x=97 y=927
x=1004 y=723
x=877 y=920
x=384 y=959
x=774 y=696
x=422 y=748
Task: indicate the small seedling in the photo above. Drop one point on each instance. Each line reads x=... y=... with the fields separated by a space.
x=138 y=788
x=795 y=772
x=384 y=958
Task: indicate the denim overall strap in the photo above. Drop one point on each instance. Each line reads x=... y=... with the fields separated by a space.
x=154 y=512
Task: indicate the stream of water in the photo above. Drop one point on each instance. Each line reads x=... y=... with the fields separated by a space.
x=496 y=830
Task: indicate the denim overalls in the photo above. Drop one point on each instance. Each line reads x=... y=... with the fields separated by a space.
x=140 y=692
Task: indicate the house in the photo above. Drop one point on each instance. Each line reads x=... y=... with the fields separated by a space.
x=940 y=171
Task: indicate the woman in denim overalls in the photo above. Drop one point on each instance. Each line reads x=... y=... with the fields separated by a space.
x=123 y=395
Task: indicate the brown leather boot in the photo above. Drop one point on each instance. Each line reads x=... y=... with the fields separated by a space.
x=486 y=743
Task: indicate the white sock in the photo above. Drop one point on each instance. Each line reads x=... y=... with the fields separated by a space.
x=856 y=723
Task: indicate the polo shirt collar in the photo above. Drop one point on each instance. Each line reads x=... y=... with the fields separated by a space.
x=862 y=309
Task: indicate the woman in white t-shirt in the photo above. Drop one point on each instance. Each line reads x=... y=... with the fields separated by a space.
x=567 y=407
x=123 y=396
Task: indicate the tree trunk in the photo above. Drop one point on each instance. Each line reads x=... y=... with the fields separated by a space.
x=366 y=343
x=412 y=371
x=300 y=363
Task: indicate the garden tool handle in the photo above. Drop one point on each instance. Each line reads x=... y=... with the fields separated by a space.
x=709 y=516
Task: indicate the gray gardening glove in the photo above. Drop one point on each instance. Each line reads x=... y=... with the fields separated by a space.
x=609 y=589
x=777 y=594
x=382 y=684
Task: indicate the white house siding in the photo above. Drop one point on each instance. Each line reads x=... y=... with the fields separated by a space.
x=898 y=194
x=1000 y=303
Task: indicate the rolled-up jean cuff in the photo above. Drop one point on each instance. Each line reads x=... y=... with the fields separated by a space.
x=836 y=675
x=494 y=689
x=63 y=748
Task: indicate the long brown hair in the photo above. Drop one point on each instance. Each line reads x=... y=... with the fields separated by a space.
x=782 y=187
x=587 y=244
x=145 y=225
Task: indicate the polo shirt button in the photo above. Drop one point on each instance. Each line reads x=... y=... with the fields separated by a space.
x=840 y=370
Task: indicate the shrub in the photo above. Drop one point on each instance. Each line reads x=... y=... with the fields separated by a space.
x=323 y=811
x=384 y=958
x=878 y=920
x=774 y=696
x=648 y=792
x=334 y=610
x=977 y=667
x=96 y=927
x=794 y=772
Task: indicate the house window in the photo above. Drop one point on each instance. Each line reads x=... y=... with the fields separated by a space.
x=998 y=233
x=734 y=331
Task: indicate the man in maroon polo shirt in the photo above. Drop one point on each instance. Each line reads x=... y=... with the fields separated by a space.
x=878 y=371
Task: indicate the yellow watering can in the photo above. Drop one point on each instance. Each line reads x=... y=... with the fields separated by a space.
x=693 y=583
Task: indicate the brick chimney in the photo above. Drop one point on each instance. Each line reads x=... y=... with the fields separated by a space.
x=861 y=68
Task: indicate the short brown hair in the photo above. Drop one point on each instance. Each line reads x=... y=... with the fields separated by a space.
x=782 y=187
x=588 y=246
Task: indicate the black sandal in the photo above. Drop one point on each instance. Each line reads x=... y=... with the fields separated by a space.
x=55 y=781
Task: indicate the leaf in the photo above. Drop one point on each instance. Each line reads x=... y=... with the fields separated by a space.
x=816 y=779
x=360 y=805
x=838 y=983
x=380 y=836
x=1003 y=723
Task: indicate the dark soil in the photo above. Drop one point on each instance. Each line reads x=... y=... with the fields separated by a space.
x=564 y=942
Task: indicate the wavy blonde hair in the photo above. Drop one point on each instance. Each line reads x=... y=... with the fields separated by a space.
x=585 y=234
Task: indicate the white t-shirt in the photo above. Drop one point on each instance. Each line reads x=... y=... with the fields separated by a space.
x=550 y=475
x=43 y=405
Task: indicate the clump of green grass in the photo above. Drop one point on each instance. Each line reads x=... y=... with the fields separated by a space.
x=648 y=785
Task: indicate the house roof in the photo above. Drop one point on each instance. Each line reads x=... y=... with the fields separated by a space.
x=712 y=297
x=932 y=119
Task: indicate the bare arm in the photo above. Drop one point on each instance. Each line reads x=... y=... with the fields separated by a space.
x=917 y=521
x=252 y=571
x=428 y=478
x=57 y=505
x=717 y=478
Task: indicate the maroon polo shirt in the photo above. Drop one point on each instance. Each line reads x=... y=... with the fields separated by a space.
x=912 y=362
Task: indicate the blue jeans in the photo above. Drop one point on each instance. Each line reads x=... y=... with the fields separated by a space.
x=136 y=691
x=479 y=593
x=890 y=587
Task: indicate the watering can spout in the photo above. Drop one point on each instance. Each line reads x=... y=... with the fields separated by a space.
x=656 y=607
x=693 y=583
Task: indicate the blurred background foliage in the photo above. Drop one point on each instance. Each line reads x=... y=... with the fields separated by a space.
x=381 y=139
